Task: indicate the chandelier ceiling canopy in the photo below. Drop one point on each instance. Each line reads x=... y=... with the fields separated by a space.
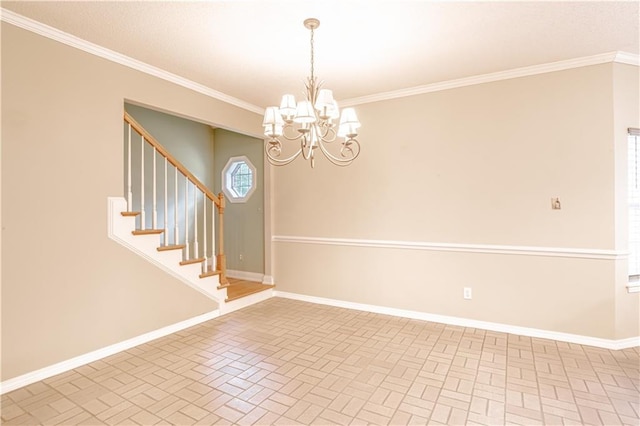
x=313 y=121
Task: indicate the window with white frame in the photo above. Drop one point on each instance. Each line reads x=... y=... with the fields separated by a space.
x=634 y=204
x=238 y=179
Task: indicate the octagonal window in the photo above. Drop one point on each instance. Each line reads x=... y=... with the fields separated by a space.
x=238 y=179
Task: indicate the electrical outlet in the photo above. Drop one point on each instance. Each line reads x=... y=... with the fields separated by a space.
x=467 y=293
x=241 y=258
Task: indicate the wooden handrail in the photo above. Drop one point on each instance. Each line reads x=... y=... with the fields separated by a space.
x=141 y=131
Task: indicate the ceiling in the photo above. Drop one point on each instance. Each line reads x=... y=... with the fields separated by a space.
x=258 y=50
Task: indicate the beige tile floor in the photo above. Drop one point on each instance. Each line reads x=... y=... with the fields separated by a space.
x=287 y=362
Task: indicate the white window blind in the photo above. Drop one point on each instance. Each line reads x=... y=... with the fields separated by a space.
x=634 y=203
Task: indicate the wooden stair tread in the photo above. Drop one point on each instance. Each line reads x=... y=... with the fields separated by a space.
x=237 y=290
x=130 y=213
x=147 y=231
x=173 y=247
x=192 y=261
x=210 y=274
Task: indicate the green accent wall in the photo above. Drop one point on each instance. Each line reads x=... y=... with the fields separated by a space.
x=244 y=222
x=188 y=141
x=205 y=151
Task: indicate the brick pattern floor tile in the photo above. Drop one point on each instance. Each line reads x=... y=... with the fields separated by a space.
x=286 y=362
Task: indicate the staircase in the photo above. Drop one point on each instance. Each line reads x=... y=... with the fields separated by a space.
x=169 y=218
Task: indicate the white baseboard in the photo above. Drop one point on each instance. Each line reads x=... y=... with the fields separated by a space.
x=70 y=364
x=61 y=367
x=250 y=276
x=244 y=275
x=465 y=322
x=268 y=279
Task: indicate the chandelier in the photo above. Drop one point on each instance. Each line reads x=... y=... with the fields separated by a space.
x=311 y=121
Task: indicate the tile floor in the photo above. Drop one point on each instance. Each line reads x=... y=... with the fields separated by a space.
x=287 y=362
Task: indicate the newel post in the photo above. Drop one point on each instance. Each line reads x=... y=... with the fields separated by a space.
x=221 y=263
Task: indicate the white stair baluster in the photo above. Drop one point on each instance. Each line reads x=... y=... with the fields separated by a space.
x=154 y=218
x=204 y=232
x=166 y=206
x=176 y=234
x=186 y=218
x=142 y=218
x=129 y=192
x=195 y=222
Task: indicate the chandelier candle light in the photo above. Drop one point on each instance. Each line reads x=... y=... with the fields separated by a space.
x=312 y=121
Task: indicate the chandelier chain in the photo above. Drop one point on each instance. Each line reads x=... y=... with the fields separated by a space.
x=312 y=58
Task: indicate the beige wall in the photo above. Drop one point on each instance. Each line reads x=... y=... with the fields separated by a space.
x=68 y=289
x=473 y=165
x=626 y=86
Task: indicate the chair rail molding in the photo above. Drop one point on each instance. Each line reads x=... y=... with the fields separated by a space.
x=581 y=253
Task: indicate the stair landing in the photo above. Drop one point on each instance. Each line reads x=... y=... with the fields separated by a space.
x=239 y=288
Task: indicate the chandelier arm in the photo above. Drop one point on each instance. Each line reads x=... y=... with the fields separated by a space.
x=296 y=136
x=330 y=130
x=303 y=145
x=281 y=162
x=309 y=155
x=293 y=138
x=340 y=161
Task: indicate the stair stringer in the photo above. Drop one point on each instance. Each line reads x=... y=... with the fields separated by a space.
x=120 y=229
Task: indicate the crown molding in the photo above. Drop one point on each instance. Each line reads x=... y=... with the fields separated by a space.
x=627 y=58
x=619 y=57
x=94 y=49
x=102 y=52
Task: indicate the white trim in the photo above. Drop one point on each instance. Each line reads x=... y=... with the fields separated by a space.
x=468 y=248
x=70 y=364
x=250 y=276
x=627 y=58
x=94 y=49
x=620 y=57
x=465 y=322
x=102 y=52
x=633 y=287
x=244 y=275
x=61 y=367
x=268 y=279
